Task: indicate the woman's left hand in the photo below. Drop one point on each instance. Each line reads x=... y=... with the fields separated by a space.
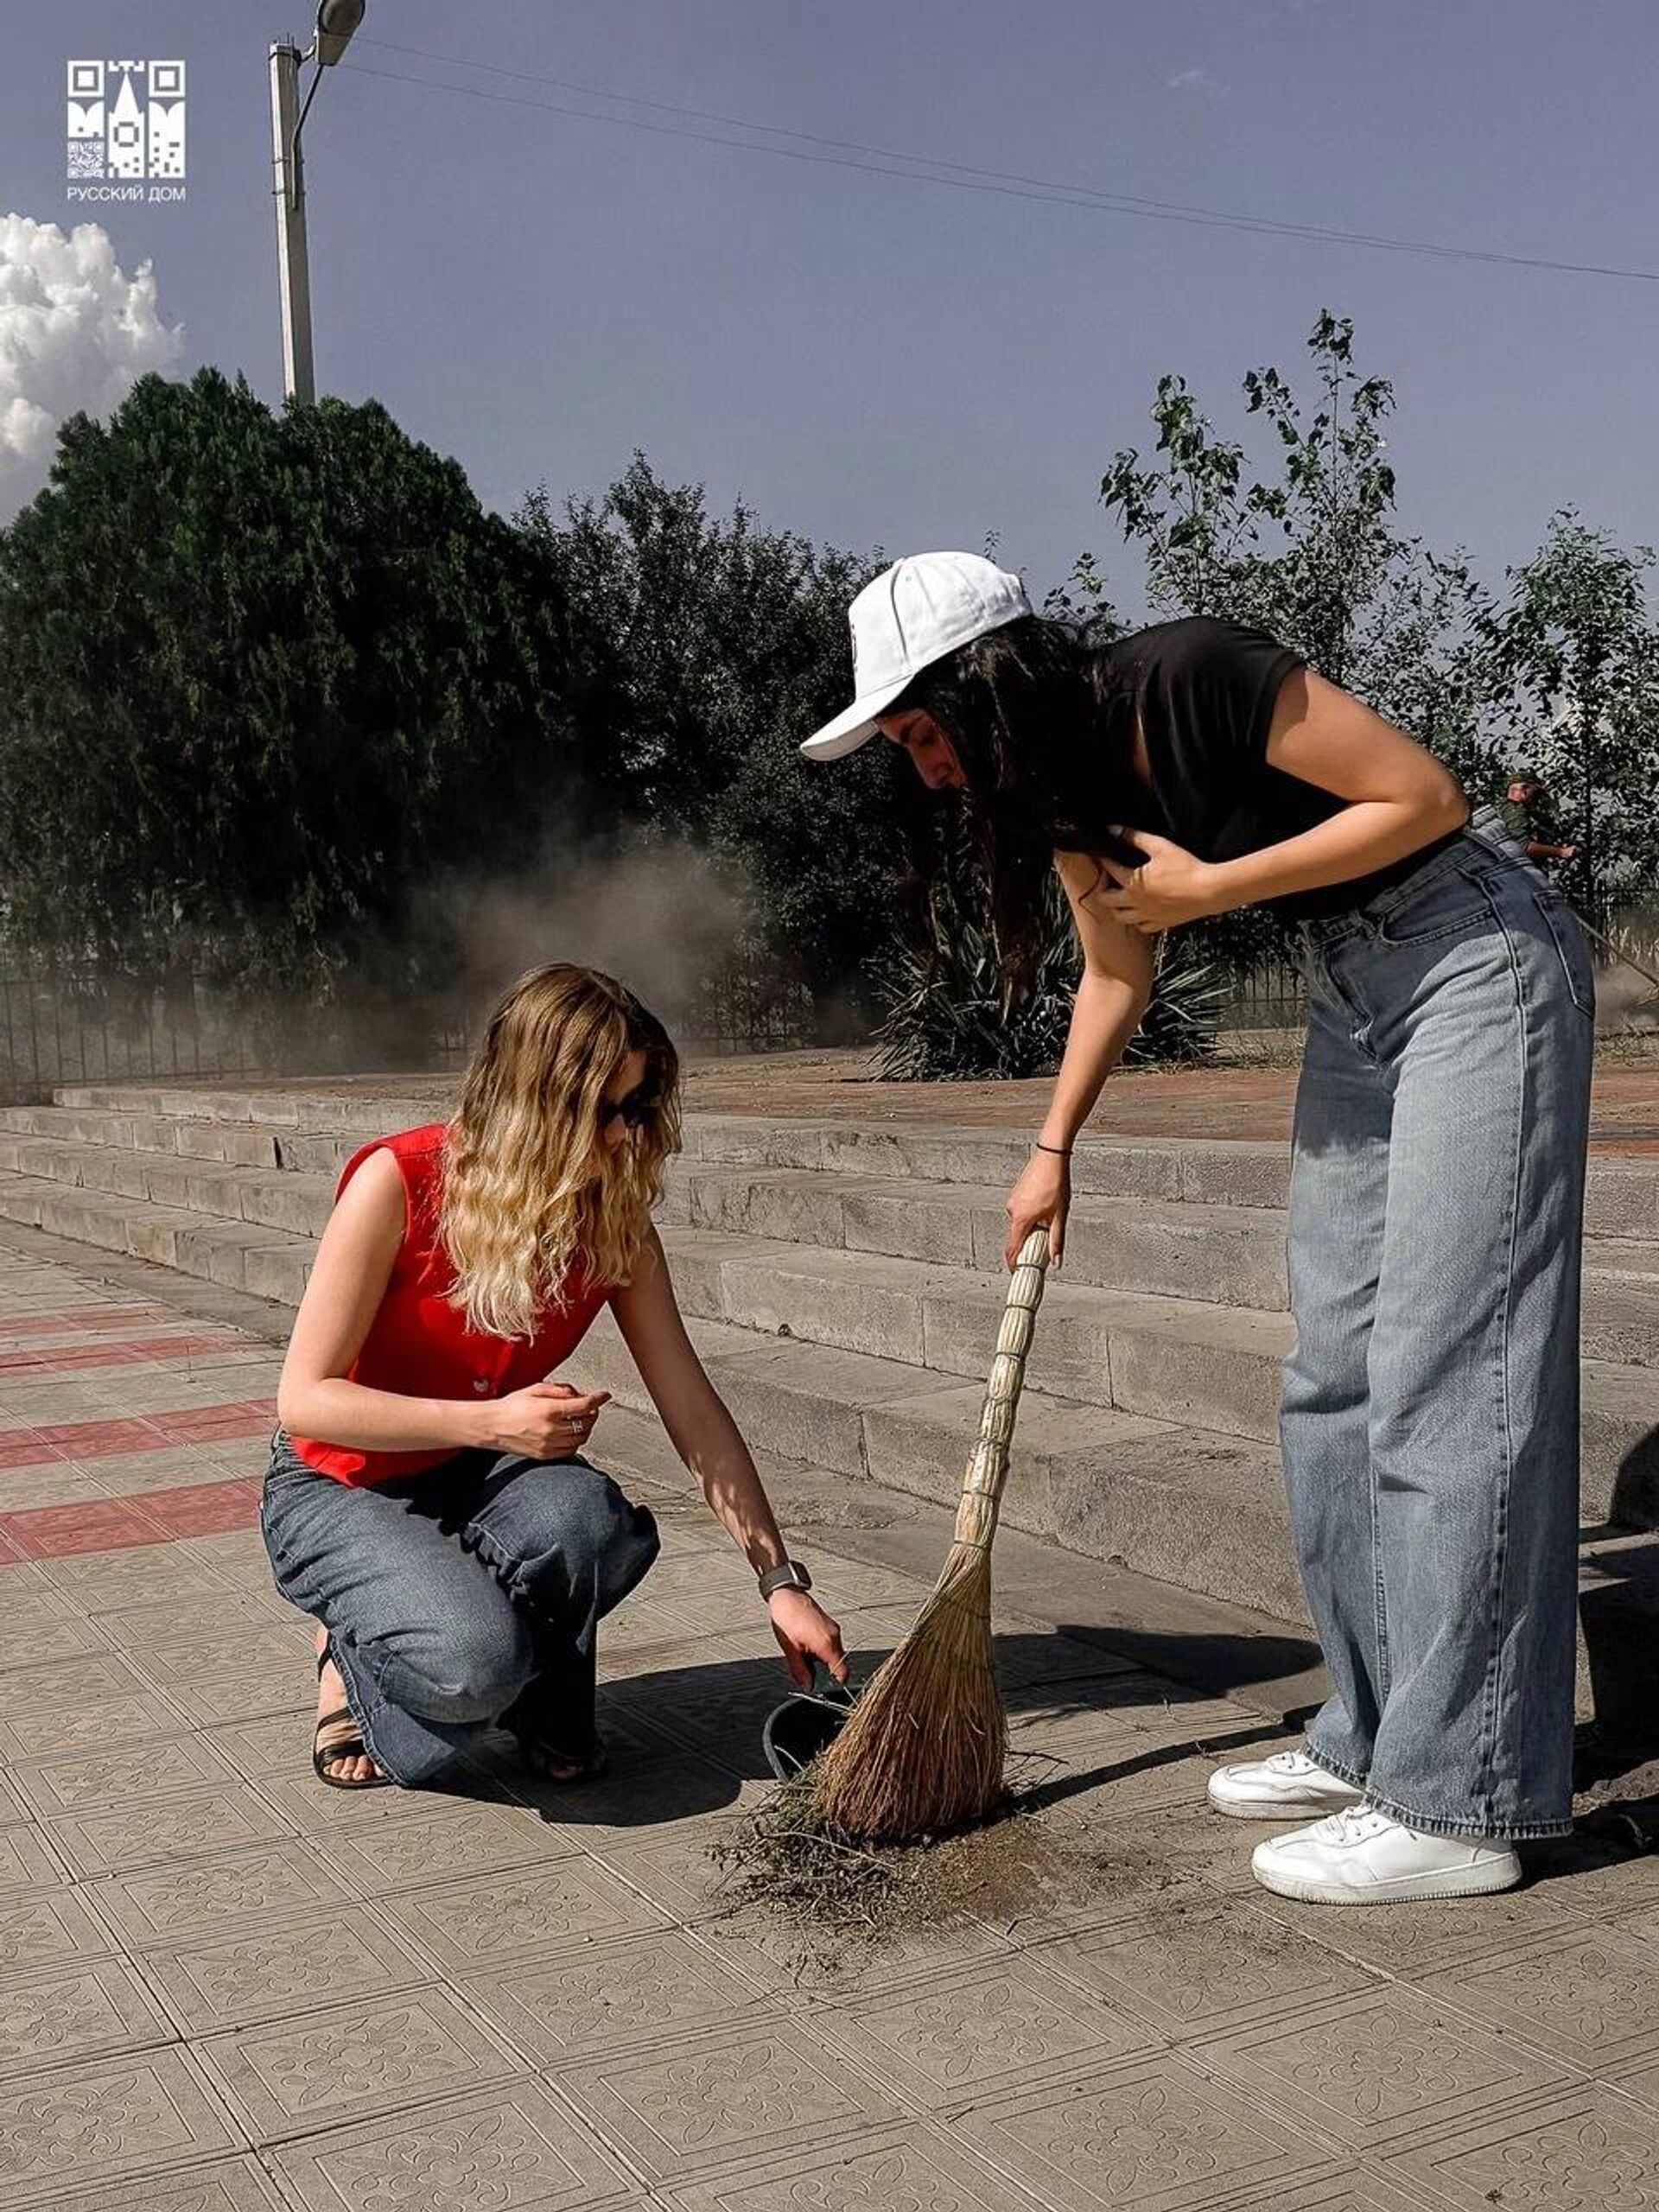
x=805 y=1632
x=1172 y=887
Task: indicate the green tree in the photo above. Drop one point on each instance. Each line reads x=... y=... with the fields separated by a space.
x=725 y=645
x=1310 y=552
x=260 y=675
x=1576 y=645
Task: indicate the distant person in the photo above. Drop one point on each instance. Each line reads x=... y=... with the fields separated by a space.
x=1528 y=817
x=1430 y=1416
x=429 y=1498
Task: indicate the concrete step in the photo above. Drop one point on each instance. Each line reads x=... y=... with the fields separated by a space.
x=1200 y=1366
x=1201 y=1511
x=1622 y=1198
x=1228 y=1256
x=1622 y=1201
x=238 y=1254
x=232 y=1143
x=365 y=1104
x=266 y=1196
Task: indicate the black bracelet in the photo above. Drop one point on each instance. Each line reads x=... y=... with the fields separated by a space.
x=1061 y=1151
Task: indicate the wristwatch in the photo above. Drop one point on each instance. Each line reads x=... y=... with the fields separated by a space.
x=791 y=1575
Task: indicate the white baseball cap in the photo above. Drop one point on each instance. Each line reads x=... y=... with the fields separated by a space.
x=912 y=615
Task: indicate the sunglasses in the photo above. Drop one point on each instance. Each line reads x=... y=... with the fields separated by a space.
x=635 y=1110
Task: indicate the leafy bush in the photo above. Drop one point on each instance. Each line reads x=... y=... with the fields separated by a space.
x=947 y=1017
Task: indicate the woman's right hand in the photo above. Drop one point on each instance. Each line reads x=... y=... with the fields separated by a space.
x=1042 y=1194
x=545 y=1420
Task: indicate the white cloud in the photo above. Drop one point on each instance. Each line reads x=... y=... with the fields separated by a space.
x=1197 y=80
x=76 y=334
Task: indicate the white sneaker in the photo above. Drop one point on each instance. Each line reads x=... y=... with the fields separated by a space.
x=1362 y=1856
x=1279 y=1789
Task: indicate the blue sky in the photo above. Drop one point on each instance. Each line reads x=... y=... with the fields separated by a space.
x=882 y=361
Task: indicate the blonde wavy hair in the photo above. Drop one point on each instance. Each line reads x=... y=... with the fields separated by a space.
x=531 y=1192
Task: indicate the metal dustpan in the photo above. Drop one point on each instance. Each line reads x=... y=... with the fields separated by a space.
x=806 y=1721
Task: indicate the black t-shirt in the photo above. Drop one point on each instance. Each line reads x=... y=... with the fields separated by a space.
x=1205 y=691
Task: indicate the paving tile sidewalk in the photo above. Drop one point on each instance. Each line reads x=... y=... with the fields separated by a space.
x=225 y=1989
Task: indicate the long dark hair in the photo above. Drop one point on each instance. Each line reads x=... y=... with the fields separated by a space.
x=1041 y=723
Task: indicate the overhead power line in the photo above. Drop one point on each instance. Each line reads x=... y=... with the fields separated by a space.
x=810 y=147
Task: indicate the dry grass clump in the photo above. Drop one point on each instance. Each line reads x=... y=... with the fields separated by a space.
x=843 y=1898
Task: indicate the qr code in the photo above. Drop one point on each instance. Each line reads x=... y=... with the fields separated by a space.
x=85 y=157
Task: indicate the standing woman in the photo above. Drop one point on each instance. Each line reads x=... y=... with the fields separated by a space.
x=1429 y=1422
x=428 y=1499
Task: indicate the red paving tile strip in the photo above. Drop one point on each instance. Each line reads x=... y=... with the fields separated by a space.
x=119 y=1523
x=124 y=1351
x=103 y=1440
x=99 y=1525
x=204 y=1509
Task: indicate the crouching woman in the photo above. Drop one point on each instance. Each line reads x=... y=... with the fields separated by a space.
x=429 y=1498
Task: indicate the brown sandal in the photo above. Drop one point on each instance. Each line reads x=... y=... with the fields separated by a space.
x=324 y=1756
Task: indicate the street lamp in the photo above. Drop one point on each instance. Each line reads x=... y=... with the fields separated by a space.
x=336 y=20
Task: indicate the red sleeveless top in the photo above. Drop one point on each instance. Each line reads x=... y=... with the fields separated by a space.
x=418 y=1345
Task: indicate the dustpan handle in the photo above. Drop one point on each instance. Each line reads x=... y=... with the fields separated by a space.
x=988 y=1466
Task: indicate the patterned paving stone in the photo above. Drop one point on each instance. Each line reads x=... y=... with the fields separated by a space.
x=103 y=1582
x=227 y=2185
x=302 y=1802
x=675 y=1870
x=127 y=1774
x=92 y=1680
x=907 y=2170
x=356 y=2062
x=787 y=1960
x=745 y=2091
x=1191 y=1971
x=28 y=1862
x=1008 y=2023
x=1589 y=2152
x=1156 y=2137
x=201 y=1898
x=1642 y=2084
x=93 y=2127
x=234 y=1693
x=613 y=1996
x=224 y=1617
x=269 y=1971
x=62 y=1731
x=1379 y=2067
x=391 y=1859
x=1339 y=2187
x=1591 y=1999
x=88 y=2009
x=515 y=2149
x=191 y=1825
x=47 y=1927
x=644 y=1798
x=1416 y=1941
x=504 y=1918
x=43 y=1637
x=25 y=1489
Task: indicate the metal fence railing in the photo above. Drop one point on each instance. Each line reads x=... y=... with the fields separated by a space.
x=63 y=1024
x=1273 y=996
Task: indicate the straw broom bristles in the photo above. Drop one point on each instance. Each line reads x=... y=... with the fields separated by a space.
x=924 y=1748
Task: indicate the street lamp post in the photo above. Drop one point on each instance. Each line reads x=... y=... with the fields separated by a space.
x=336 y=20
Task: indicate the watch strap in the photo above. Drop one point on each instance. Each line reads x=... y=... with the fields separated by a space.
x=791 y=1575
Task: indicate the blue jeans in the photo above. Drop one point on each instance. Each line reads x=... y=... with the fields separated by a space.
x=467 y=1595
x=1430 y=1415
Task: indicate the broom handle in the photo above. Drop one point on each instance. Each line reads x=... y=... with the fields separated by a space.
x=988 y=1466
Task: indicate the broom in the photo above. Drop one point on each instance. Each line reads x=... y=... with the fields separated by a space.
x=924 y=1748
